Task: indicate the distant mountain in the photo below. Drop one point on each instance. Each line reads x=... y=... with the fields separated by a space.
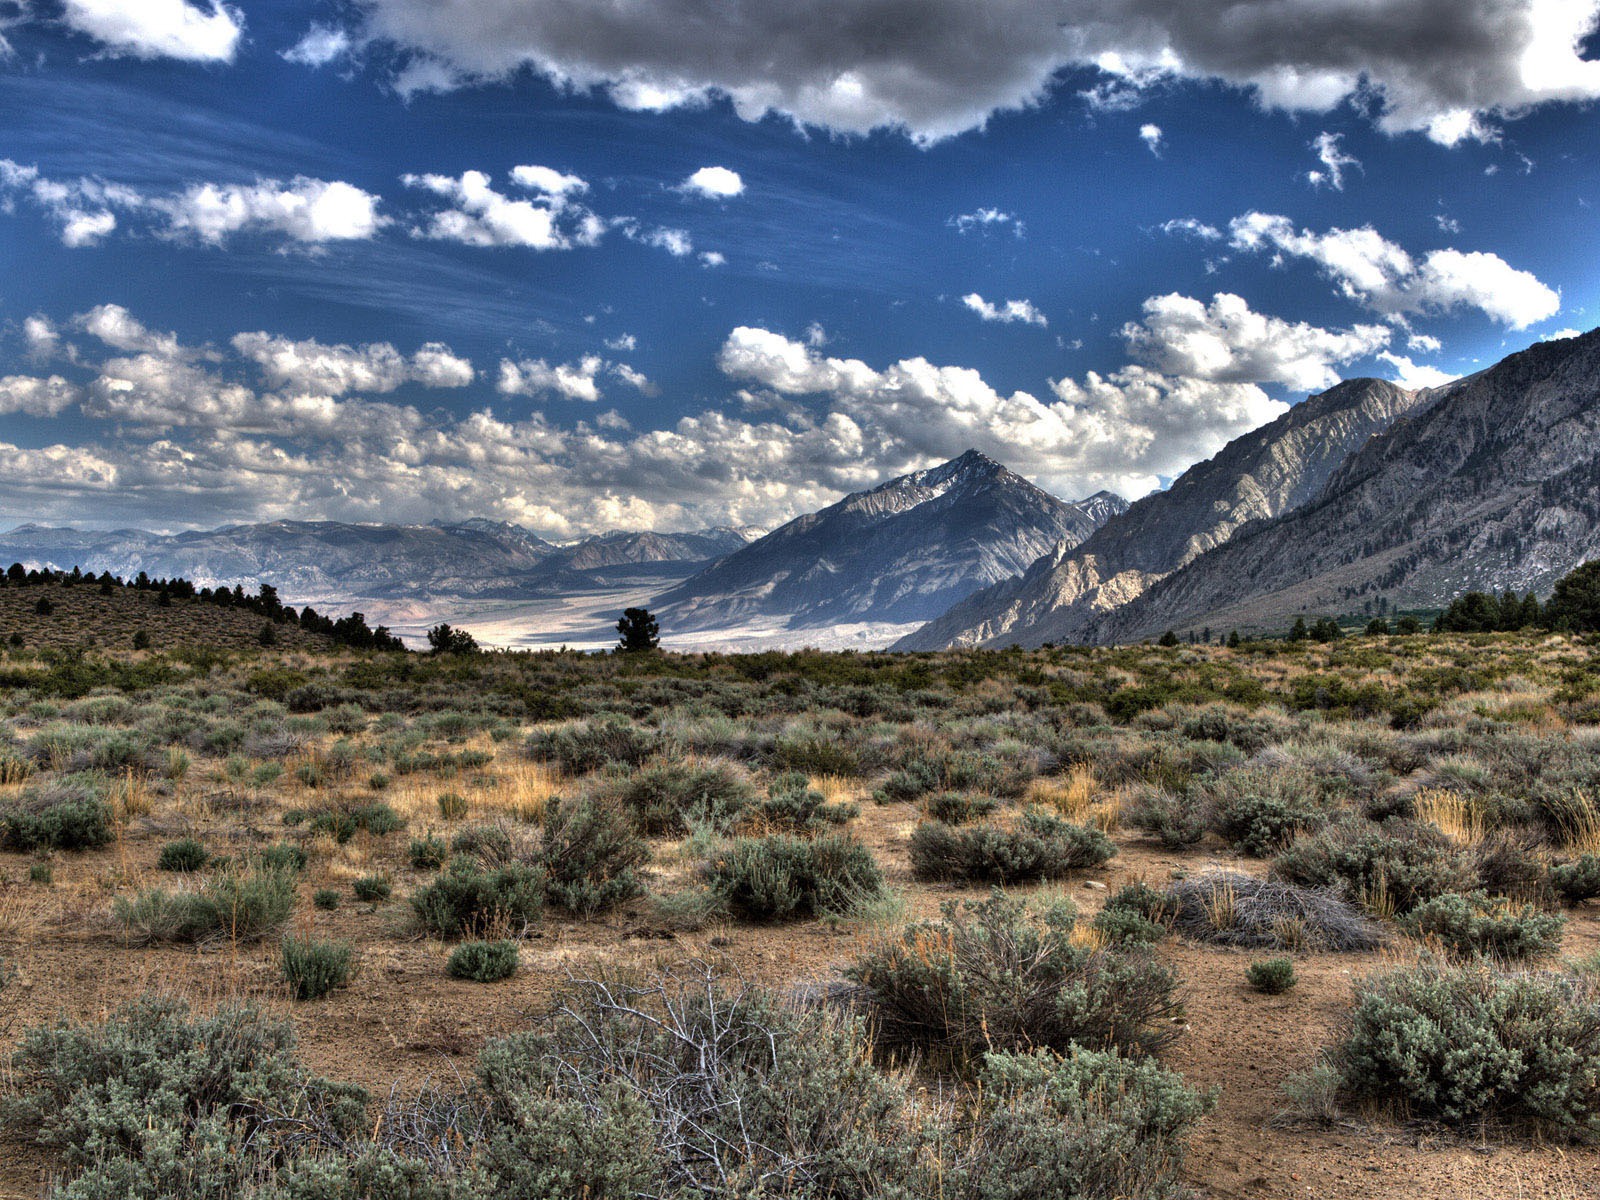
x=1263 y=474
x=326 y=560
x=901 y=552
x=1495 y=486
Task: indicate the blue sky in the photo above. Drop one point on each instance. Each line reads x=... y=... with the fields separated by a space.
x=672 y=263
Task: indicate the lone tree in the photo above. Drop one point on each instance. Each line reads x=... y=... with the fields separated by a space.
x=444 y=640
x=638 y=631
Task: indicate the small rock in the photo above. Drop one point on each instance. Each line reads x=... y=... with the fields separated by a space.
x=1094 y=885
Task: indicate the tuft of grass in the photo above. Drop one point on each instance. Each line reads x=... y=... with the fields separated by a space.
x=1271 y=976
x=313 y=968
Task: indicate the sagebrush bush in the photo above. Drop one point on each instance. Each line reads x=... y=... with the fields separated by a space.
x=282 y=856
x=236 y=905
x=374 y=889
x=184 y=855
x=591 y=855
x=483 y=962
x=1176 y=819
x=1396 y=866
x=1578 y=880
x=64 y=815
x=326 y=899
x=466 y=899
x=784 y=878
x=1259 y=810
x=1475 y=924
x=1272 y=976
x=427 y=853
x=1466 y=1044
x=989 y=976
x=959 y=808
x=586 y=746
x=312 y=968
x=1042 y=846
x=794 y=806
x=666 y=799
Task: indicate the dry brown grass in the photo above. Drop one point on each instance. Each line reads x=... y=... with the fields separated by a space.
x=1079 y=797
x=1452 y=815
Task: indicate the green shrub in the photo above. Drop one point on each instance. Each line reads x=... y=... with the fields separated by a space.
x=1577 y=881
x=452 y=806
x=668 y=798
x=343 y=823
x=282 y=856
x=1043 y=846
x=1260 y=810
x=41 y=873
x=483 y=962
x=235 y=905
x=374 y=889
x=314 y=968
x=1468 y=1044
x=990 y=977
x=1476 y=925
x=958 y=808
x=465 y=899
x=65 y=815
x=785 y=878
x=588 y=746
x=155 y=1102
x=794 y=806
x=1397 y=865
x=1091 y=1125
x=184 y=855
x=427 y=853
x=590 y=853
x=490 y=844
x=326 y=899
x=1176 y=819
x=1271 y=975
x=1126 y=926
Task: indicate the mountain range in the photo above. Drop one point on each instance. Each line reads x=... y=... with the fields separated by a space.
x=902 y=552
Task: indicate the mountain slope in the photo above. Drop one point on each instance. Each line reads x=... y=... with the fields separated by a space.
x=901 y=552
x=1496 y=486
x=1264 y=473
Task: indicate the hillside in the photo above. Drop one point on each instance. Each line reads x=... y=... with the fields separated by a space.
x=1265 y=473
x=898 y=553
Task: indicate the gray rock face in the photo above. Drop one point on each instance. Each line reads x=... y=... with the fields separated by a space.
x=902 y=552
x=1270 y=471
x=1495 y=486
x=322 y=559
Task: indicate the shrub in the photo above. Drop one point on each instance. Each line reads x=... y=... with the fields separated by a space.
x=1259 y=810
x=1092 y=1125
x=1476 y=925
x=1272 y=976
x=785 y=878
x=491 y=844
x=484 y=962
x=1577 y=881
x=587 y=746
x=792 y=804
x=452 y=807
x=1226 y=908
x=958 y=808
x=41 y=873
x=282 y=856
x=156 y=1102
x=1466 y=1044
x=184 y=855
x=60 y=816
x=668 y=798
x=1126 y=926
x=1395 y=866
x=1176 y=819
x=374 y=889
x=242 y=906
x=427 y=853
x=465 y=899
x=326 y=899
x=590 y=852
x=314 y=968
x=990 y=977
x=342 y=823
x=1043 y=846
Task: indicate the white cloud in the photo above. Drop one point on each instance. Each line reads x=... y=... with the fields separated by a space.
x=333 y=370
x=41 y=336
x=482 y=216
x=713 y=258
x=1193 y=227
x=1227 y=342
x=635 y=379
x=1334 y=162
x=208 y=32
x=571 y=381
x=1006 y=312
x=716 y=183
x=34 y=397
x=1423 y=343
x=1416 y=375
x=1150 y=135
x=1381 y=275
x=121 y=330
x=623 y=343
x=1560 y=335
x=942 y=67
x=984 y=220
x=306 y=210
x=321 y=45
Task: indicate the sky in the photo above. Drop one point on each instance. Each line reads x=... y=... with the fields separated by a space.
x=597 y=264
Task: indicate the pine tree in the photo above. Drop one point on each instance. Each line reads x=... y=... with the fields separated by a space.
x=638 y=631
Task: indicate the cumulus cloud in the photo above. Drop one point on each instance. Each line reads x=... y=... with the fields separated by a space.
x=1006 y=312
x=712 y=258
x=41 y=336
x=1150 y=135
x=482 y=216
x=571 y=381
x=1381 y=275
x=35 y=397
x=623 y=343
x=716 y=183
x=121 y=330
x=334 y=370
x=1225 y=341
x=207 y=32
x=1334 y=162
x=1448 y=68
x=1413 y=375
x=81 y=208
x=985 y=220
x=321 y=45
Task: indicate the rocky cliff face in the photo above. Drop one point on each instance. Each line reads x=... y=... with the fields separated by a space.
x=1495 y=486
x=1270 y=471
x=901 y=552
